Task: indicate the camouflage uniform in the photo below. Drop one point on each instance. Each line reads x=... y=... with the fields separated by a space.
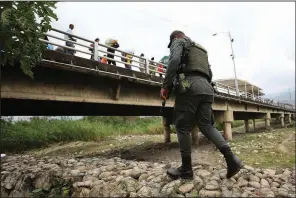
x=193 y=105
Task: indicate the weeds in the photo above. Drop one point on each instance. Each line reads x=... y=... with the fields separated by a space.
x=42 y=132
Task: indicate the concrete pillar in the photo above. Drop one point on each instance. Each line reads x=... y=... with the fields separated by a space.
x=167 y=129
x=282 y=120
x=247 y=126
x=254 y=125
x=228 y=118
x=267 y=120
x=288 y=118
x=194 y=135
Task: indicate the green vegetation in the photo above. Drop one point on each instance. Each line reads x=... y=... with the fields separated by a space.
x=22 y=24
x=42 y=132
x=236 y=123
x=268 y=149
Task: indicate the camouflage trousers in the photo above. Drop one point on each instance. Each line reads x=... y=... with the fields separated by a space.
x=195 y=110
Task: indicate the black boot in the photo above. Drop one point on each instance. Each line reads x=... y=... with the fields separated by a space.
x=184 y=171
x=233 y=163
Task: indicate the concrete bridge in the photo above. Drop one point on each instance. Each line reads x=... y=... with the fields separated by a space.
x=64 y=84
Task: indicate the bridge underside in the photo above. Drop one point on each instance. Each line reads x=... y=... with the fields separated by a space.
x=22 y=107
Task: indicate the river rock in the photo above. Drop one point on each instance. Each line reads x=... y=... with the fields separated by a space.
x=209 y=193
x=185 y=188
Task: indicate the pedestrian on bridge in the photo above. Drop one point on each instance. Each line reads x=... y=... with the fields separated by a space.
x=143 y=62
x=193 y=104
x=114 y=44
x=70 y=38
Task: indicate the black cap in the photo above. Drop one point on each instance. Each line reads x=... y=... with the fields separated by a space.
x=173 y=34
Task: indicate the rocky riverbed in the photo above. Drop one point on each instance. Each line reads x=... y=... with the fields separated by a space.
x=26 y=175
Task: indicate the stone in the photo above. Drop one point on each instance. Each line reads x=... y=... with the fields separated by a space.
x=287 y=172
x=9 y=181
x=286 y=186
x=209 y=193
x=241 y=182
x=275 y=184
x=75 y=172
x=170 y=187
x=86 y=184
x=267 y=192
x=212 y=185
x=185 y=188
x=81 y=192
x=228 y=183
x=143 y=177
x=264 y=183
x=126 y=173
x=133 y=194
x=269 y=172
x=283 y=192
x=203 y=173
x=236 y=192
x=254 y=178
x=226 y=192
x=145 y=191
x=254 y=184
x=245 y=194
x=106 y=174
x=136 y=173
x=216 y=178
x=130 y=184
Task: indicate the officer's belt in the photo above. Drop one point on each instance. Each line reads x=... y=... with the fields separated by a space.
x=196 y=73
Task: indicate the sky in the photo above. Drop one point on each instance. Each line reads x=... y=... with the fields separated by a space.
x=263 y=32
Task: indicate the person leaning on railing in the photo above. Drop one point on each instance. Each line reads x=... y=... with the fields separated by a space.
x=152 y=69
x=160 y=68
x=114 y=44
x=69 y=37
x=142 y=64
x=127 y=59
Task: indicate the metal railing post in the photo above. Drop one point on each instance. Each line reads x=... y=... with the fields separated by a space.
x=228 y=90
x=147 y=66
x=95 y=51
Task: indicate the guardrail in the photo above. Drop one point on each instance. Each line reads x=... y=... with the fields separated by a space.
x=141 y=64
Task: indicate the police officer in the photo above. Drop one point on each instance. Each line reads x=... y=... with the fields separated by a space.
x=193 y=104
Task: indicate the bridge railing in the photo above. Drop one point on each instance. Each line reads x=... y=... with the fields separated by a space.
x=98 y=51
x=138 y=63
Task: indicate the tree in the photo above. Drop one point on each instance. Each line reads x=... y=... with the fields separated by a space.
x=22 y=24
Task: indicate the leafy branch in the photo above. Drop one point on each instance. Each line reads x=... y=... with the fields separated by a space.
x=22 y=24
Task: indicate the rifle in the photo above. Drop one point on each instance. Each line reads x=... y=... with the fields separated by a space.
x=176 y=79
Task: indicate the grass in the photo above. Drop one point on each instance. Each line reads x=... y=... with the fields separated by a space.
x=42 y=132
x=268 y=149
x=36 y=133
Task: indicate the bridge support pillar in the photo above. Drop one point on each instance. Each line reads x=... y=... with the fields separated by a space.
x=267 y=120
x=166 y=122
x=288 y=118
x=194 y=135
x=282 y=120
x=247 y=129
x=254 y=125
x=228 y=118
